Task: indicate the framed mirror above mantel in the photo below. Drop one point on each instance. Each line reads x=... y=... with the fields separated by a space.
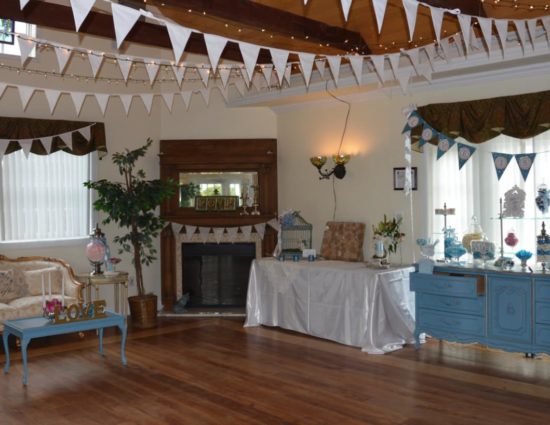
x=222 y=183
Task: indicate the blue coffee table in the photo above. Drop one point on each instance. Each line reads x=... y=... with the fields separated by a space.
x=36 y=327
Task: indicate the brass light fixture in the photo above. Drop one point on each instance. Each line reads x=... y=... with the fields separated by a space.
x=339 y=169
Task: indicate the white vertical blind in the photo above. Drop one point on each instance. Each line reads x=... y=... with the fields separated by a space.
x=43 y=197
x=475 y=190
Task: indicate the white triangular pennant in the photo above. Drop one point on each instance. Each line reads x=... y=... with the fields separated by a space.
x=176 y=228
x=168 y=100
x=437 y=21
x=320 y=64
x=413 y=55
x=204 y=73
x=380 y=11
x=279 y=58
x=225 y=93
x=95 y=62
x=23 y=3
x=502 y=31
x=239 y=85
x=25 y=47
x=411 y=8
x=446 y=47
x=288 y=73
x=522 y=32
x=356 y=62
x=124 y=19
x=179 y=36
x=218 y=233
x=86 y=132
x=26 y=145
x=532 y=28
x=25 y=93
x=147 y=99
x=246 y=231
x=189 y=231
x=267 y=70
x=346 y=4
x=232 y=233
x=224 y=75
x=306 y=61
x=186 y=96
x=425 y=71
x=244 y=76
x=204 y=232
x=546 y=24
x=63 y=56
x=102 y=100
x=260 y=229
x=394 y=62
x=81 y=9
x=275 y=224
x=403 y=76
x=3 y=146
x=52 y=96
x=430 y=53
x=47 y=143
x=126 y=100
x=474 y=40
x=486 y=26
x=257 y=82
x=378 y=61
x=465 y=22
x=152 y=69
x=249 y=53
x=67 y=139
x=2 y=88
x=214 y=45
x=179 y=72
x=334 y=65
x=125 y=64
x=78 y=100
x=205 y=93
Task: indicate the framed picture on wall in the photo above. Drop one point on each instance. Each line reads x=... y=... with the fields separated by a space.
x=399 y=178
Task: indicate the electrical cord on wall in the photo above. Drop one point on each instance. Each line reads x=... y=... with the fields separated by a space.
x=339 y=146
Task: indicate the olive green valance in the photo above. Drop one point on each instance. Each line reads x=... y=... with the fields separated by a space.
x=521 y=116
x=14 y=129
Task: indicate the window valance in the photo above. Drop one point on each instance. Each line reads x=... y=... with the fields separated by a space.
x=15 y=129
x=521 y=116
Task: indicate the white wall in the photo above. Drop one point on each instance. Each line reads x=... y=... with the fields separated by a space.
x=375 y=141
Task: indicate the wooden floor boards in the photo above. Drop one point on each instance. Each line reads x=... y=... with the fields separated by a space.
x=214 y=371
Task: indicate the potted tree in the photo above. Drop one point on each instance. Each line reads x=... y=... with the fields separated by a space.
x=131 y=204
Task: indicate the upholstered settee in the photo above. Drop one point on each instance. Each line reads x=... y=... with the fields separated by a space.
x=26 y=282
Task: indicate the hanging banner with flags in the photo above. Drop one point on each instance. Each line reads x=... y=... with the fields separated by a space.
x=445 y=143
x=412 y=121
x=465 y=152
x=428 y=134
x=525 y=162
x=501 y=161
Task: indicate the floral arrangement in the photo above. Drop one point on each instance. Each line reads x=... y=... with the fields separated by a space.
x=287 y=218
x=389 y=229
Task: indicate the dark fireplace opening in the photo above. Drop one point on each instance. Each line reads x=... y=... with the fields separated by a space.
x=216 y=275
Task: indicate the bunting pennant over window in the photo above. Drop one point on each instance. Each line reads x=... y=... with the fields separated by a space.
x=465 y=152
x=501 y=161
x=412 y=121
x=428 y=134
x=445 y=143
x=525 y=162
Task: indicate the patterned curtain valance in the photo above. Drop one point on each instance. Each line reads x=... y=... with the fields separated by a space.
x=15 y=129
x=521 y=116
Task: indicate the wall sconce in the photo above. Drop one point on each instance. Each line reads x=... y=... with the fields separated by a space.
x=339 y=170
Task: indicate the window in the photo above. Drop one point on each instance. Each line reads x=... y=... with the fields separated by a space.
x=475 y=190
x=43 y=197
x=6 y=28
x=20 y=28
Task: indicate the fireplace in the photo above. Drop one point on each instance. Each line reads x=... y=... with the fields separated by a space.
x=216 y=275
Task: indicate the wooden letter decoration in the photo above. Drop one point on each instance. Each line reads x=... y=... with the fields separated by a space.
x=79 y=312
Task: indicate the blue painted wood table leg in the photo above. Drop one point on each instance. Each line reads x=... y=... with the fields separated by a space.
x=101 y=341
x=122 y=328
x=24 y=345
x=5 y=335
x=416 y=340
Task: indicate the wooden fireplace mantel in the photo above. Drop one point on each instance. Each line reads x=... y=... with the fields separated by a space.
x=177 y=156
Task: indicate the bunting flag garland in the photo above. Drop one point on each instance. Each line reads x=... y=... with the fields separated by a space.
x=246 y=230
x=525 y=162
x=176 y=228
x=204 y=232
x=81 y=9
x=232 y=233
x=260 y=229
x=412 y=121
x=189 y=231
x=465 y=152
x=427 y=135
x=501 y=161
x=445 y=143
x=218 y=233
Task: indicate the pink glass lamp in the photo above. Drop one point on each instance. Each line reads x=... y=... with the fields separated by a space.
x=95 y=251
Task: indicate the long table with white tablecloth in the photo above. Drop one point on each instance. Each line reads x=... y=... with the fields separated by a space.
x=340 y=301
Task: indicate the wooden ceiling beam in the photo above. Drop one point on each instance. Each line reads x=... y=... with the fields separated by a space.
x=273 y=20
x=101 y=24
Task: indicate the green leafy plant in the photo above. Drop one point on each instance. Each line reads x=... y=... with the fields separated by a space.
x=188 y=192
x=131 y=204
x=389 y=229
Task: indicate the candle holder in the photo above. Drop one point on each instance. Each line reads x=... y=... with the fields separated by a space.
x=255 y=203
x=245 y=198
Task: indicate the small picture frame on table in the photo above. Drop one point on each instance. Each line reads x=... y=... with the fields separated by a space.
x=399 y=178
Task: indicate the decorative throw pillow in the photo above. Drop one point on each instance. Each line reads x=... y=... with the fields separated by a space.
x=343 y=241
x=11 y=286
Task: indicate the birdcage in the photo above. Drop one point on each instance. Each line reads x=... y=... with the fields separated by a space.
x=295 y=235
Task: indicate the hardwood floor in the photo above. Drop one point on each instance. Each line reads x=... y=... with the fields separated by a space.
x=214 y=371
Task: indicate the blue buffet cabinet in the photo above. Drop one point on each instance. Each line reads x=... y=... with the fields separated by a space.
x=502 y=309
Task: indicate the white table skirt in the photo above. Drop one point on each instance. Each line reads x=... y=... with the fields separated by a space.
x=340 y=301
